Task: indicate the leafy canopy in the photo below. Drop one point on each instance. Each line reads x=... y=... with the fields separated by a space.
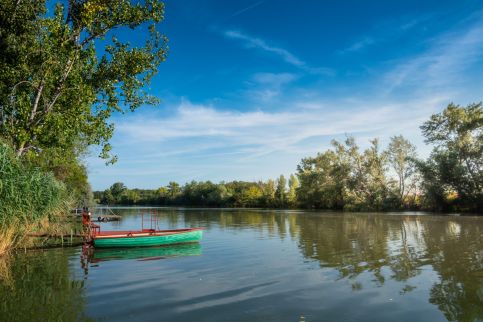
x=65 y=73
x=456 y=163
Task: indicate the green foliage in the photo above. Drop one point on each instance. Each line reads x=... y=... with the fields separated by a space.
x=402 y=160
x=319 y=184
x=117 y=190
x=268 y=193
x=66 y=168
x=61 y=79
x=174 y=190
x=27 y=194
x=202 y=194
x=280 y=192
x=453 y=175
x=243 y=194
x=130 y=197
x=436 y=172
x=344 y=178
x=293 y=185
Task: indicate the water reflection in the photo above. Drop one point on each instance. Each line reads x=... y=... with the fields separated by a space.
x=271 y=266
x=393 y=247
x=40 y=286
x=142 y=253
x=389 y=247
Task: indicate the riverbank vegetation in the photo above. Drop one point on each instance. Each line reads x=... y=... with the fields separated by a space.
x=61 y=81
x=30 y=199
x=346 y=178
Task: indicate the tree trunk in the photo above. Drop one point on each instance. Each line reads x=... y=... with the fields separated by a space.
x=20 y=151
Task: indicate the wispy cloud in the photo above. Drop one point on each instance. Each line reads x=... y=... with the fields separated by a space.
x=384 y=32
x=274 y=79
x=250 y=7
x=252 y=42
x=285 y=55
x=265 y=87
x=359 y=45
x=266 y=132
x=441 y=66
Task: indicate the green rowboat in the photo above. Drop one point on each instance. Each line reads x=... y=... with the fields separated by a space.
x=146 y=237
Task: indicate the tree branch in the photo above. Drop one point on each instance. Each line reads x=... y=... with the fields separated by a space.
x=37 y=99
x=60 y=86
x=93 y=36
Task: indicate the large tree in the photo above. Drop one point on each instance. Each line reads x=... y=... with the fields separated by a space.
x=401 y=156
x=293 y=185
x=456 y=163
x=321 y=185
x=280 y=192
x=64 y=73
x=344 y=178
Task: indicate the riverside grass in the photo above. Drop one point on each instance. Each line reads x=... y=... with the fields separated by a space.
x=30 y=200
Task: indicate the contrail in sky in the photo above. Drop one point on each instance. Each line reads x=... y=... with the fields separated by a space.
x=239 y=12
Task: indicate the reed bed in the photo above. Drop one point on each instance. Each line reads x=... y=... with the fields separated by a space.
x=30 y=200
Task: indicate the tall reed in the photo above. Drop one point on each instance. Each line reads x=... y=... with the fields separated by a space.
x=28 y=196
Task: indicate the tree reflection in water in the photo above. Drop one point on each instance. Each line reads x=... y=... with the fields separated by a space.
x=402 y=245
x=41 y=287
x=369 y=251
x=367 y=242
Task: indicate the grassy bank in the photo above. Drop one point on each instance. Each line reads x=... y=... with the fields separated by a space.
x=31 y=200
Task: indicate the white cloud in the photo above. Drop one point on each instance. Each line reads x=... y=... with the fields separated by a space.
x=266 y=132
x=252 y=42
x=359 y=45
x=274 y=79
x=385 y=31
x=442 y=66
x=265 y=87
x=288 y=57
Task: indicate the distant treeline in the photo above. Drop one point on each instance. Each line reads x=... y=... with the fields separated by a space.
x=270 y=194
x=346 y=178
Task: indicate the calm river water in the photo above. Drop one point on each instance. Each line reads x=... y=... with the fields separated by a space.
x=256 y=265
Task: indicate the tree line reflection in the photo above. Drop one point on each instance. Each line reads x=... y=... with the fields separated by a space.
x=403 y=245
x=360 y=247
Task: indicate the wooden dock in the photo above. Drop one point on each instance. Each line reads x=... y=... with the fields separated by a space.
x=99 y=217
x=105 y=218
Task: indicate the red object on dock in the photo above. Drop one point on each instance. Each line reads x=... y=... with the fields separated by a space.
x=92 y=228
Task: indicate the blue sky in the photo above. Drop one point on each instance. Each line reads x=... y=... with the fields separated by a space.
x=251 y=87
